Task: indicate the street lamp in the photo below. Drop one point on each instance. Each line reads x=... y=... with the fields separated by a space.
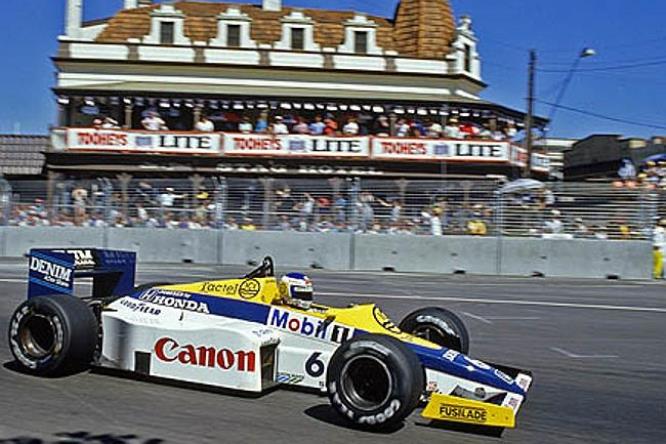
x=529 y=119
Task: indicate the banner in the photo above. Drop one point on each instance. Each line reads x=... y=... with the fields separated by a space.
x=295 y=145
x=540 y=162
x=90 y=139
x=433 y=149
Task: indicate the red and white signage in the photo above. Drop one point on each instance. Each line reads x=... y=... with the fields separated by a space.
x=90 y=139
x=295 y=145
x=435 y=149
x=168 y=350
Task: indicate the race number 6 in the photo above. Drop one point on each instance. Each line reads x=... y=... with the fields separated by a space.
x=314 y=366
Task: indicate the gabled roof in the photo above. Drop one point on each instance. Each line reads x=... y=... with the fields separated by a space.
x=422 y=28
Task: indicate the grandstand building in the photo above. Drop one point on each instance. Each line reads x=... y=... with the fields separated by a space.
x=410 y=84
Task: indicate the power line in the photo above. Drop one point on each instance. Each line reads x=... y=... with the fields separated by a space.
x=608 y=68
x=604 y=117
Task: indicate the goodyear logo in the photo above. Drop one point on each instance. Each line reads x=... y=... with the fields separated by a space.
x=468 y=414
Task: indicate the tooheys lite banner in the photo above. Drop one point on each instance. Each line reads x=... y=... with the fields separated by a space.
x=434 y=149
x=295 y=145
x=89 y=139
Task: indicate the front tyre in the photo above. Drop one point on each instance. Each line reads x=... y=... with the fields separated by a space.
x=53 y=335
x=438 y=325
x=374 y=381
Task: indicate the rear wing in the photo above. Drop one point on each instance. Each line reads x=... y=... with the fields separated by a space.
x=53 y=271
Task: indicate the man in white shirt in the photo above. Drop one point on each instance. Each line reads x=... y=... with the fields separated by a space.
x=205 y=125
x=279 y=127
x=351 y=128
x=245 y=126
x=434 y=130
x=153 y=122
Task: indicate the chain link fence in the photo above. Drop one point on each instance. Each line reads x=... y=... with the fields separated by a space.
x=475 y=208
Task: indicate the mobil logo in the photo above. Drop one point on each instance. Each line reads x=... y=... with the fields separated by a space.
x=170 y=351
x=308 y=326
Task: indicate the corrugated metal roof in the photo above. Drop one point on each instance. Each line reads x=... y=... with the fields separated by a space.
x=22 y=155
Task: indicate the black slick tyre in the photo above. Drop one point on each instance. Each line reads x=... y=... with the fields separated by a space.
x=374 y=381
x=53 y=335
x=438 y=325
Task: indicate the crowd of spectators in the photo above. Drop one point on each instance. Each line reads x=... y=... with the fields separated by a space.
x=535 y=214
x=357 y=124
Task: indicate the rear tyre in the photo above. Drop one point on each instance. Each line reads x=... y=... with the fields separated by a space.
x=53 y=335
x=374 y=381
x=438 y=325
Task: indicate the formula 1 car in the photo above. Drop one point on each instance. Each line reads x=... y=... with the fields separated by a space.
x=245 y=335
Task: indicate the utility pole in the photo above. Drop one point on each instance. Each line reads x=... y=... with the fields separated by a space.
x=529 y=119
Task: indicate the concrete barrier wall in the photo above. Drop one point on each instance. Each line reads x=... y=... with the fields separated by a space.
x=345 y=251
x=331 y=251
x=427 y=254
x=575 y=258
x=19 y=240
x=168 y=246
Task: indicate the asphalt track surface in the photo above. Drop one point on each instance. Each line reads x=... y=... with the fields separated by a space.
x=597 y=350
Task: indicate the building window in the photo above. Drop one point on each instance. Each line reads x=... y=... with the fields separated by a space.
x=167 y=32
x=468 y=58
x=361 y=42
x=298 y=39
x=234 y=36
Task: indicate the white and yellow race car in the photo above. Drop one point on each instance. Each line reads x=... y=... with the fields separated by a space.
x=256 y=333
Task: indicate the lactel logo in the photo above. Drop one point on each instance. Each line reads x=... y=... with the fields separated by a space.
x=308 y=326
x=54 y=273
x=169 y=350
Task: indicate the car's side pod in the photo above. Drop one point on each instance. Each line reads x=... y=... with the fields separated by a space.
x=53 y=271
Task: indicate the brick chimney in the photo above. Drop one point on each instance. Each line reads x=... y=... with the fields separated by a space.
x=271 y=5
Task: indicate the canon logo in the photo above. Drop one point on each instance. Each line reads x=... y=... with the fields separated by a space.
x=169 y=350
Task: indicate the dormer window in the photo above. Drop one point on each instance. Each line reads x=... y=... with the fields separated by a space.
x=297 y=33
x=233 y=29
x=167 y=30
x=360 y=37
x=234 y=36
x=167 y=27
x=361 y=42
x=297 y=39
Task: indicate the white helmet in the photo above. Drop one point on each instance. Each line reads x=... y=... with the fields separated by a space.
x=297 y=289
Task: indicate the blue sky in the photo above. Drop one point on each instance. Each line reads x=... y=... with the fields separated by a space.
x=624 y=32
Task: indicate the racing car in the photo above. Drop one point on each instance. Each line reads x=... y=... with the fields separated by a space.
x=256 y=333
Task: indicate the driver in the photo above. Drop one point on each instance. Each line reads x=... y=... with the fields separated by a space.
x=296 y=290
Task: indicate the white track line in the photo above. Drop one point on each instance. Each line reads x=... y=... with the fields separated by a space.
x=575 y=356
x=477 y=317
x=503 y=302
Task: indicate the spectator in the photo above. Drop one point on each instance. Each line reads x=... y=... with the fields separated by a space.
x=452 y=130
x=331 y=128
x=110 y=123
x=279 y=127
x=402 y=128
x=351 y=128
x=262 y=124
x=317 y=127
x=301 y=127
x=434 y=130
x=205 y=125
x=97 y=124
x=554 y=225
x=153 y=122
x=382 y=127
x=245 y=126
